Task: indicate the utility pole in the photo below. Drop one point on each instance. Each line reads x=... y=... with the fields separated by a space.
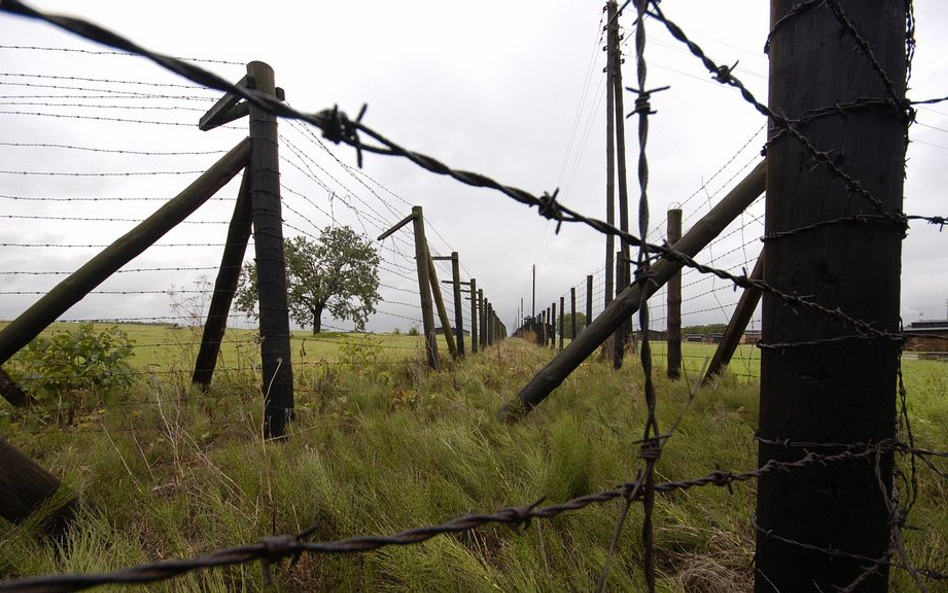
x=610 y=152
x=625 y=272
x=831 y=390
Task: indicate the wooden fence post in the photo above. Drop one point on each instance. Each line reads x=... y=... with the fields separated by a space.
x=458 y=312
x=264 y=174
x=572 y=313
x=838 y=390
x=673 y=294
x=228 y=277
x=706 y=229
x=483 y=317
x=22 y=330
x=589 y=301
x=474 y=326
x=562 y=321
x=424 y=286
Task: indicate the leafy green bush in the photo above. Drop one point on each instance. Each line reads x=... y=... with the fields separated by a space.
x=77 y=360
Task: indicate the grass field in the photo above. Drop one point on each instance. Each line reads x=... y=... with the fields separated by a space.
x=379 y=444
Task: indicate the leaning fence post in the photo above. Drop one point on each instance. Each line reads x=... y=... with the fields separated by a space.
x=439 y=303
x=228 y=278
x=424 y=286
x=673 y=294
x=737 y=324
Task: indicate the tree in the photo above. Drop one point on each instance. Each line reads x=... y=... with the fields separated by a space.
x=567 y=329
x=337 y=272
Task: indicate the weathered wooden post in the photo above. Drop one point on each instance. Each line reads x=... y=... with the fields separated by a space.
x=572 y=313
x=424 y=286
x=458 y=312
x=417 y=218
x=228 y=277
x=562 y=320
x=439 y=304
x=556 y=371
x=24 y=486
x=482 y=310
x=736 y=326
x=589 y=301
x=474 y=326
x=264 y=174
x=837 y=390
x=673 y=295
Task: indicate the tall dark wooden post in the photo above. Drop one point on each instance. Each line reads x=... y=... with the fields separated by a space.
x=483 y=316
x=562 y=320
x=613 y=22
x=474 y=326
x=673 y=294
x=834 y=391
x=228 y=277
x=458 y=313
x=572 y=313
x=491 y=324
x=264 y=172
x=589 y=300
x=553 y=325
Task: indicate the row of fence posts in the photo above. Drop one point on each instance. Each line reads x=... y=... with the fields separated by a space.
x=486 y=327
x=550 y=322
x=24 y=485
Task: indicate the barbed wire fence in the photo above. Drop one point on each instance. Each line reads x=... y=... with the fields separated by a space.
x=320 y=191
x=339 y=128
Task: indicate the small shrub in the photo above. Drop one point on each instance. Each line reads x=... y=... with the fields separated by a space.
x=413 y=330
x=74 y=361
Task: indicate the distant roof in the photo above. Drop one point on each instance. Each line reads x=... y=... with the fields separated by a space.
x=928 y=324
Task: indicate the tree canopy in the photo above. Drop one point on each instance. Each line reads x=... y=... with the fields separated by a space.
x=338 y=273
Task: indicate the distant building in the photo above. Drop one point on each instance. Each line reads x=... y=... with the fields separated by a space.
x=693 y=337
x=654 y=335
x=751 y=336
x=927 y=336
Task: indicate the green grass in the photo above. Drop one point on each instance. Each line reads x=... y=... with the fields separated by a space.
x=387 y=446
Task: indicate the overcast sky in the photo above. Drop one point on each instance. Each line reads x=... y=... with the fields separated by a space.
x=512 y=90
